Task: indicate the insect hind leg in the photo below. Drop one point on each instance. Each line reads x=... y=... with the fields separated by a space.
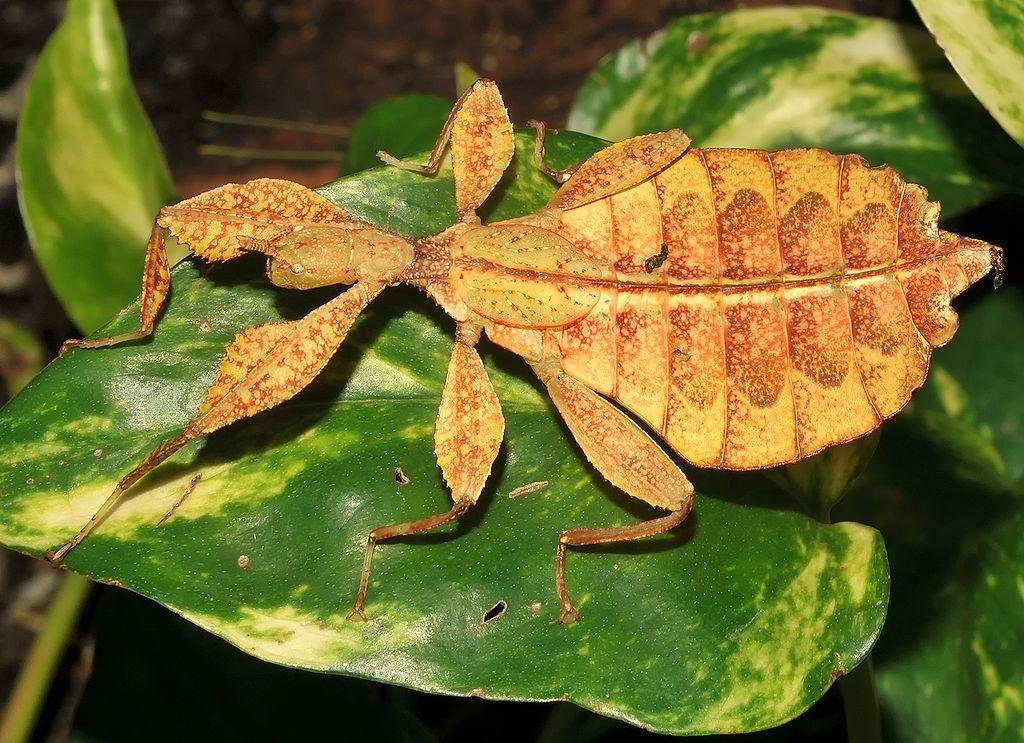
x=467 y=436
x=404 y=529
x=630 y=459
x=579 y=537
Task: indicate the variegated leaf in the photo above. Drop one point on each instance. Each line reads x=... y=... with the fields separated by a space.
x=738 y=620
x=90 y=171
x=984 y=39
x=771 y=78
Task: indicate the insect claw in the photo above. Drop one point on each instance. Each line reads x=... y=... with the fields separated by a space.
x=568 y=614
x=356 y=615
x=67 y=346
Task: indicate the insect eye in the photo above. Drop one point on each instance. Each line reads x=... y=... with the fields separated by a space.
x=297 y=268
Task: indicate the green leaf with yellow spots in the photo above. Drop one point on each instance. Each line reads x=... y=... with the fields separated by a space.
x=946 y=490
x=91 y=174
x=738 y=620
x=772 y=78
x=984 y=41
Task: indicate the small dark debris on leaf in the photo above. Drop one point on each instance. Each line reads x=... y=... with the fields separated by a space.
x=532 y=487
x=30 y=481
x=400 y=477
x=494 y=612
x=657 y=259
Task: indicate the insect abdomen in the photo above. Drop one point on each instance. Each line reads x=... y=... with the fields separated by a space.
x=795 y=308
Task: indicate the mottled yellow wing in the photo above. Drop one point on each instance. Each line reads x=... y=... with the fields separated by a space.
x=792 y=304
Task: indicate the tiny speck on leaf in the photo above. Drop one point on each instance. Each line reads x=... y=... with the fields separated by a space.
x=243 y=561
x=534 y=607
x=30 y=481
x=204 y=325
x=97 y=452
x=400 y=477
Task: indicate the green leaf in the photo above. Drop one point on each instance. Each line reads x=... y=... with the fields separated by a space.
x=402 y=126
x=91 y=175
x=983 y=40
x=945 y=489
x=738 y=620
x=216 y=691
x=773 y=78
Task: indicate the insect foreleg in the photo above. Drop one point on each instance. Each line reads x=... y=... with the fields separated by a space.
x=262 y=367
x=467 y=436
x=482 y=145
x=219 y=225
x=156 y=282
x=627 y=457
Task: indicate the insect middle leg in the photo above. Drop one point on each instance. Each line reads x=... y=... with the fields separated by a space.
x=540 y=155
x=467 y=436
x=482 y=143
x=627 y=457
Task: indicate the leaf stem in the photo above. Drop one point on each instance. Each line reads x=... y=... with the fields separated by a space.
x=19 y=717
x=860 y=703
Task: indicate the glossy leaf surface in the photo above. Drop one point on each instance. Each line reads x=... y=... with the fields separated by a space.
x=772 y=78
x=946 y=490
x=738 y=620
x=984 y=41
x=91 y=174
x=402 y=126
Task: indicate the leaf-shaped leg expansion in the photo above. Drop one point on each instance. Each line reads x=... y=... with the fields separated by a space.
x=614 y=169
x=627 y=457
x=467 y=436
x=482 y=145
x=217 y=225
x=263 y=366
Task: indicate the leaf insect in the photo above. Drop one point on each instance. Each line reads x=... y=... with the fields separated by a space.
x=751 y=308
